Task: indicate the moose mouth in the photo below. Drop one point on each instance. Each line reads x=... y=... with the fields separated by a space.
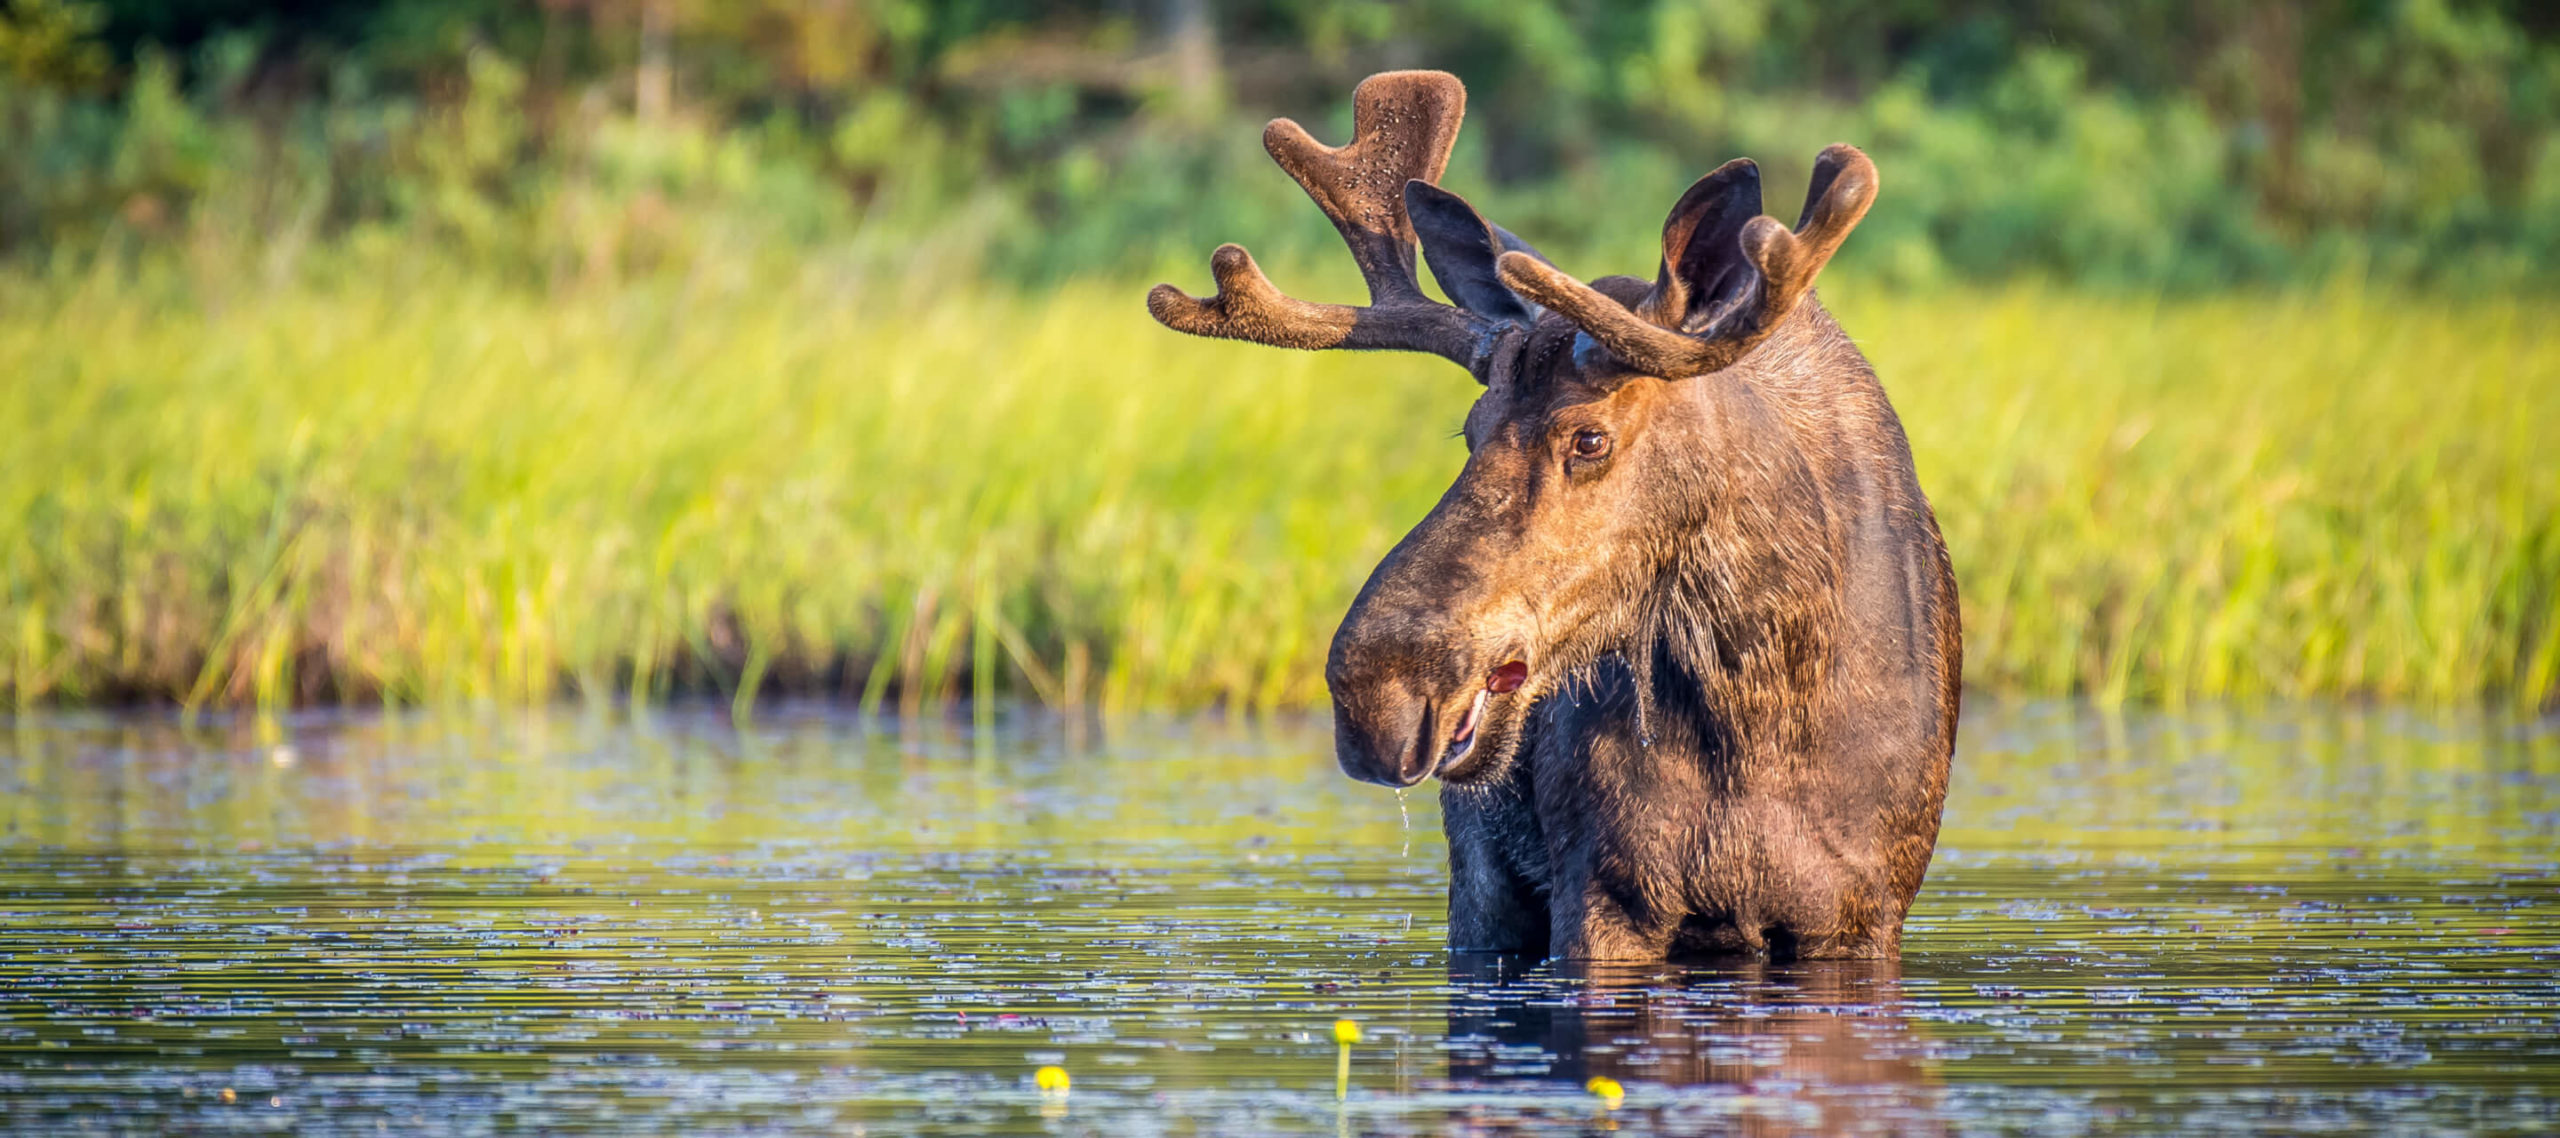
x=1462 y=739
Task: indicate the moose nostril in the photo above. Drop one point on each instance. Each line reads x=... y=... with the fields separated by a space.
x=1381 y=735
x=1507 y=678
x=1425 y=750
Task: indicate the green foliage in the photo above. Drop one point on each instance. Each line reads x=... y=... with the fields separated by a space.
x=401 y=349
x=52 y=44
x=2147 y=143
x=416 y=484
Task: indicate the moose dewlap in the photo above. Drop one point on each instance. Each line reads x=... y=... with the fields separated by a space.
x=1680 y=642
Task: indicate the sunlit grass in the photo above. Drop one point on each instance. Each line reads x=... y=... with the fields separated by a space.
x=431 y=488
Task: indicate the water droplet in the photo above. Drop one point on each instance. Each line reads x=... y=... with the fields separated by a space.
x=1405 y=818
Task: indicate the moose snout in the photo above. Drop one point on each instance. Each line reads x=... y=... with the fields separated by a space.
x=1408 y=666
x=1384 y=735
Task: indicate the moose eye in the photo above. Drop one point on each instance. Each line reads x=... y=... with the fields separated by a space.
x=1590 y=444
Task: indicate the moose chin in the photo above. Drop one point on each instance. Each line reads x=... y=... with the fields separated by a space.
x=1681 y=641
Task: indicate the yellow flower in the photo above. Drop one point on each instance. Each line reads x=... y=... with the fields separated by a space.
x=1346 y=1032
x=1050 y=1080
x=1607 y=1090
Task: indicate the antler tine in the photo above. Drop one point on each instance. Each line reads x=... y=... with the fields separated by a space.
x=1844 y=185
x=1403 y=125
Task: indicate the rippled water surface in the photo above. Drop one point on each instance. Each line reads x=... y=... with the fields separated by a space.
x=2303 y=919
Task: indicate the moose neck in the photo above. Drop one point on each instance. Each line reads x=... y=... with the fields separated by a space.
x=1738 y=635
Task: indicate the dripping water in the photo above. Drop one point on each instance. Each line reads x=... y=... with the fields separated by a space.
x=1404 y=819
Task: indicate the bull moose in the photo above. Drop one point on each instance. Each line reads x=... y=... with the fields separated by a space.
x=1681 y=641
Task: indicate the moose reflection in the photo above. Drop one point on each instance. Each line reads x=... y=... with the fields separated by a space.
x=1820 y=1047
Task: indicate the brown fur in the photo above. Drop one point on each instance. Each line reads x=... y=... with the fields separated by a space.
x=1744 y=657
x=1738 y=623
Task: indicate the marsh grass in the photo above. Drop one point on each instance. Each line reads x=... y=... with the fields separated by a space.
x=425 y=487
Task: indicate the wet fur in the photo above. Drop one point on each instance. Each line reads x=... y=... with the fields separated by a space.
x=1795 y=662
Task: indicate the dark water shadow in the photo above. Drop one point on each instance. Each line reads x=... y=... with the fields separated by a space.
x=1741 y=1047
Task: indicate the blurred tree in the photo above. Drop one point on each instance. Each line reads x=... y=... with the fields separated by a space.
x=2137 y=140
x=51 y=44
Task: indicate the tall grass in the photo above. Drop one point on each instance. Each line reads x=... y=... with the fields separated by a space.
x=420 y=486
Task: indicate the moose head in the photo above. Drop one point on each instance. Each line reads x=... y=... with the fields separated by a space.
x=1616 y=445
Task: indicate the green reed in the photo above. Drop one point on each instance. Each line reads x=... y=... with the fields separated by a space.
x=422 y=486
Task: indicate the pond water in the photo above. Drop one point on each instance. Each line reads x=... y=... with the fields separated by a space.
x=2304 y=918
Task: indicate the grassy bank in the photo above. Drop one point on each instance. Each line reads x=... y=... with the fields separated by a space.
x=424 y=487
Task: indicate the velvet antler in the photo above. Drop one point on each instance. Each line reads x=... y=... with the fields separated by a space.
x=1707 y=309
x=1403 y=124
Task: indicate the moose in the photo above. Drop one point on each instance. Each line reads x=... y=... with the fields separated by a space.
x=1681 y=640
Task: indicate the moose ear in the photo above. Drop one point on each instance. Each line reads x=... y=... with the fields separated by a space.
x=1462 y=248
x=1705 y=273
x=1730 y=277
